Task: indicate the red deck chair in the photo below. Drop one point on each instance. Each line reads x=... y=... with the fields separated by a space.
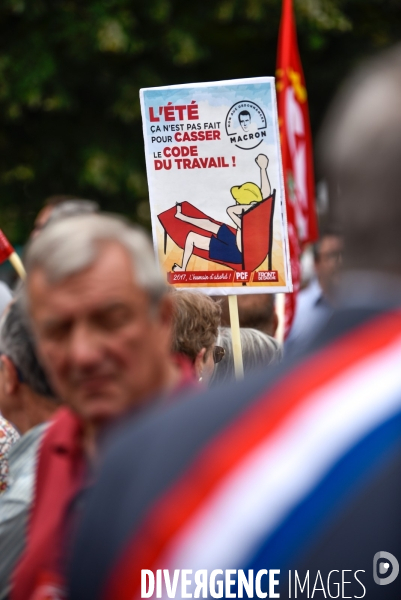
x=257 y=233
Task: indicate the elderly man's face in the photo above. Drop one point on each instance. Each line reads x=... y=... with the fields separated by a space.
x=103 y=346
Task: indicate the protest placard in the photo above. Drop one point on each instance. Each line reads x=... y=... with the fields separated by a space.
x=216 y=186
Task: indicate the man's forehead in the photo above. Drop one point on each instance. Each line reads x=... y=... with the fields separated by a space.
x=110 y=274
x=331 y=240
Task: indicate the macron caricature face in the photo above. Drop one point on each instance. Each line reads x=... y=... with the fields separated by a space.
x=245 y=120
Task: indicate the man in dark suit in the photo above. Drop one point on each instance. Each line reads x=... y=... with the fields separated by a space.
x=286 y=483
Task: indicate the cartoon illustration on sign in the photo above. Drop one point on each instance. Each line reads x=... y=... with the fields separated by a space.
x=243 y=244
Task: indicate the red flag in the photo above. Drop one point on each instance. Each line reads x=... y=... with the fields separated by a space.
x=5 y=248
x=296 y=150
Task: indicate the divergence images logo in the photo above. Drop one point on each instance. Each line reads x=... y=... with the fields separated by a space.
x=246 y=125
x=385 y=563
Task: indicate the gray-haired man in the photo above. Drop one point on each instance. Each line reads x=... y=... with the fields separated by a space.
x=102 y=322
x=27 y=401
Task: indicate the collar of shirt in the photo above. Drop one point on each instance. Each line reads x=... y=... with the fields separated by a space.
x=67 y=435
x=315 y=293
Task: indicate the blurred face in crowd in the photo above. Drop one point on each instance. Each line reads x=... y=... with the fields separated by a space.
x=103 y=343
x=328 y=263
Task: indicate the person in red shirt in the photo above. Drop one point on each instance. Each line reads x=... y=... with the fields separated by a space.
x=102 y=320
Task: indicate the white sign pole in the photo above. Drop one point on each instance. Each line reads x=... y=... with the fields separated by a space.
x=17 y=264
x=236 y=337
x=280 y=310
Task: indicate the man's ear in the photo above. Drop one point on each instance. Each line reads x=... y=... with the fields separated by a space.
x=163 y=321
x=166 y=310
x=10 y=375
x=199 y=362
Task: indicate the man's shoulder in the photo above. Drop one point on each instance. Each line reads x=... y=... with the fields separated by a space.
x=325 y=411
x=298 y=423
x=185 y=425
x=191 y=424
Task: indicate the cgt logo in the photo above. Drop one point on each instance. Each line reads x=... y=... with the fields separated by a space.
x=386 y=564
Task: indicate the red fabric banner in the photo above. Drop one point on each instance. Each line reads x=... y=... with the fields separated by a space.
x=296 y=150
x=5 y=248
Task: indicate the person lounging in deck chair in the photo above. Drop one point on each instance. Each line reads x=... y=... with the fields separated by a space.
x=224 y=245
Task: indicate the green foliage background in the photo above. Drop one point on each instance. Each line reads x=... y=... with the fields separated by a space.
x=70 y=71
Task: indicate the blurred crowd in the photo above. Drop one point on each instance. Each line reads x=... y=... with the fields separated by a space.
x=126 y=441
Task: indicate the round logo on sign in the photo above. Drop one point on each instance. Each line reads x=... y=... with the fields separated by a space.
x=246 y=125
